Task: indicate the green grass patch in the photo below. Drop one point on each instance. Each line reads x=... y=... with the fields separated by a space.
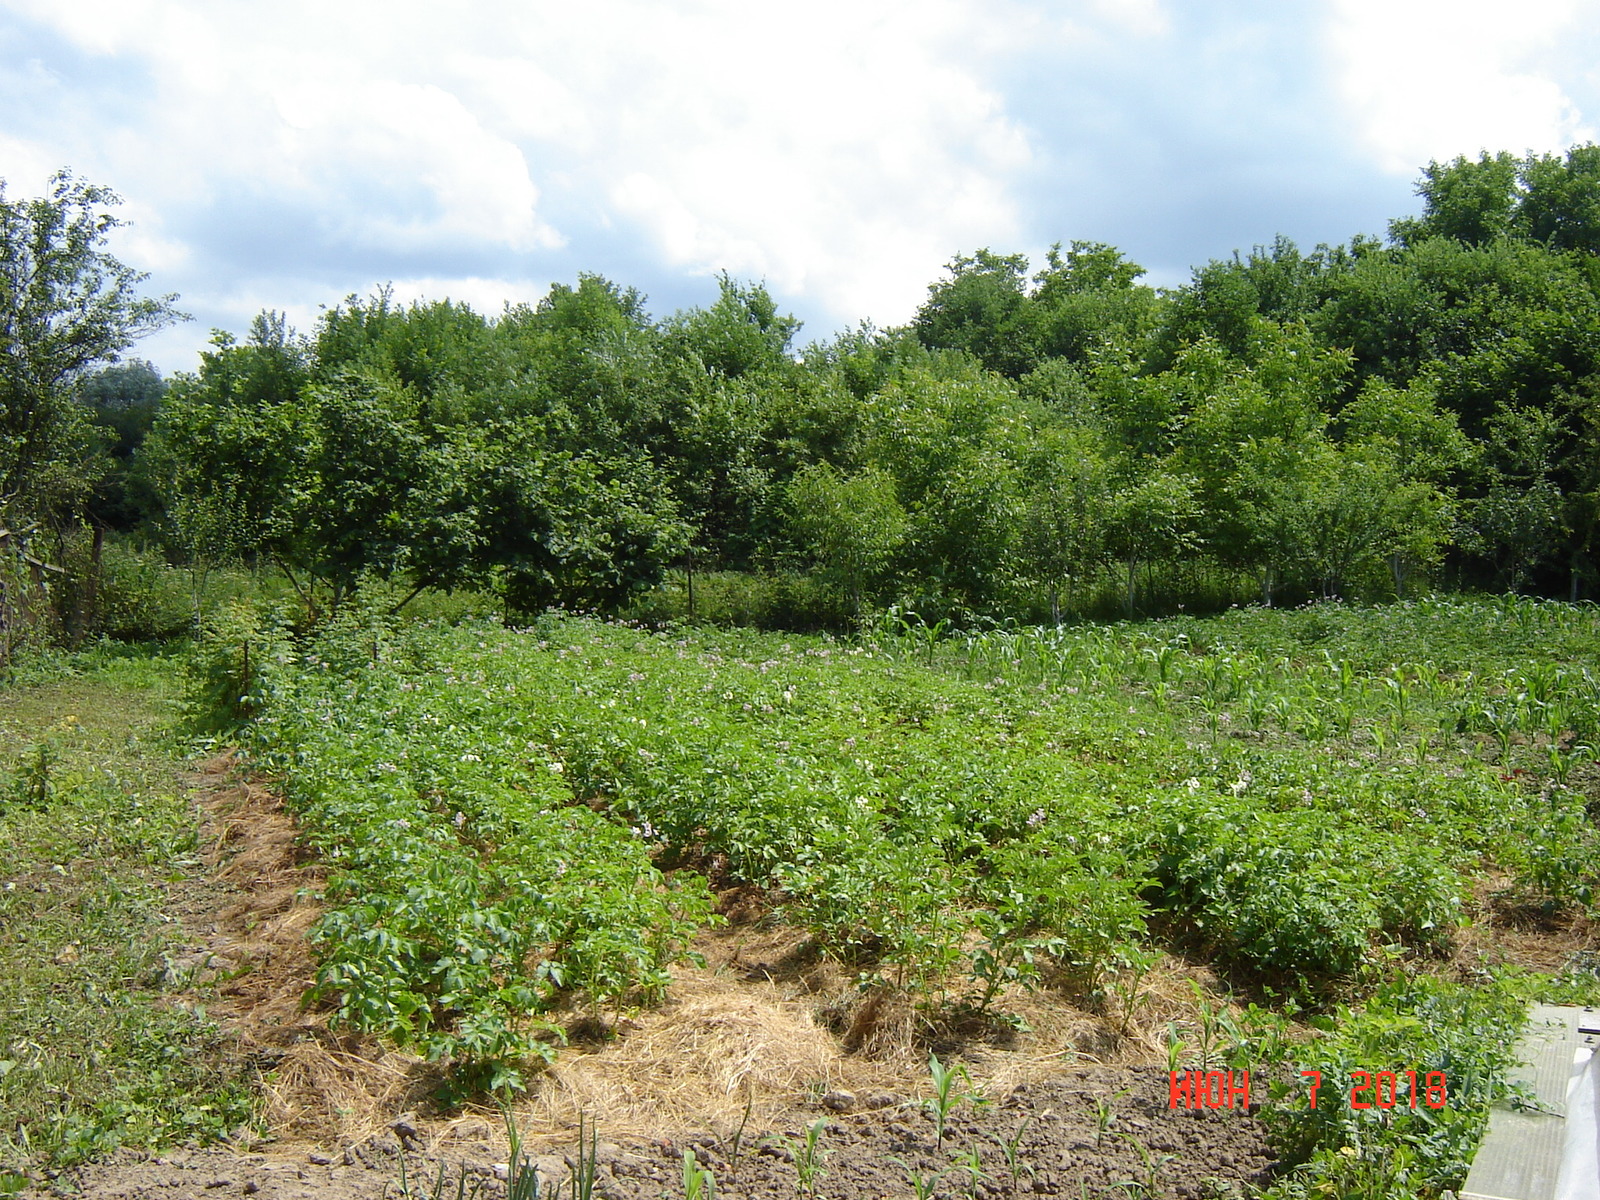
x=94 y=830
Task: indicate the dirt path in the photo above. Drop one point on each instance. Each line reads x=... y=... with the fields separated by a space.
x=1066 y=1147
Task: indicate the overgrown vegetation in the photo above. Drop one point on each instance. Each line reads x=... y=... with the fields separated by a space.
x=1357 y=421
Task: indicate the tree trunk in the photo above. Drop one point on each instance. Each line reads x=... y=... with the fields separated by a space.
x=89 y=594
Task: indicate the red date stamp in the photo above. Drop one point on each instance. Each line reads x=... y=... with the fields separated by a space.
x=1368 y=1089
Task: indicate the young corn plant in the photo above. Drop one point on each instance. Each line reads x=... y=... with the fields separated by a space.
x=1011 y=1147
x=698 y=1181
x=945 y=1096
x=1105 y=1116
x=970 y=1162
x=1175 y=1048
x=922 y=1185
x=810 y=1157
x=1149 y=1182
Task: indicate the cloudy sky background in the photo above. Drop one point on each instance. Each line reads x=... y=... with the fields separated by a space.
x=286 y=154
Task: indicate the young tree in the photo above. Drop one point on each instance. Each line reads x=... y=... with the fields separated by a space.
x=66 y=305
x=1152 y=517
x=852 y=523
x=1065 y=492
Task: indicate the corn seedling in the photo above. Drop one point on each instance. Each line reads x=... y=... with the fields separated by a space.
x=1105 y=1116
x=809 y=1156
x=698 y=1182
x=971 y=1163
x=1208 y=1024
x=1175 y=1048
x=922 y=1185
x=945 y=1096
x=1011 y=1147
x=1150 y=1182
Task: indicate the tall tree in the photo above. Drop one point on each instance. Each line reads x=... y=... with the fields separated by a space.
x=1472 y=202
x=984 y=308
x=66 y=306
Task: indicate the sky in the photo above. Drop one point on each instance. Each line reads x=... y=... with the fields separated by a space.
x=286 y=155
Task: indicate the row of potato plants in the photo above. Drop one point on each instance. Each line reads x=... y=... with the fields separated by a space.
x=520 y=819
x=517 y=817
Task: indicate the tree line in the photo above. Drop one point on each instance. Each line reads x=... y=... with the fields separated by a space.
x=1352 y=420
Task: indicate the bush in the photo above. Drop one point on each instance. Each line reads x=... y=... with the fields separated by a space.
x=235 y=668
x=784 y=600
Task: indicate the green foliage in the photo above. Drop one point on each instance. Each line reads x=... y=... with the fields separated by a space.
x=1300 y=893
x=853 y=524
x=1423 y=1024
x=66 y=305
x=235 y=670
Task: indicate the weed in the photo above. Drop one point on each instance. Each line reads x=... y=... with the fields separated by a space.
x=738 y=1134
x=92 y=1057
x=586 y=1171
x=466 y=1188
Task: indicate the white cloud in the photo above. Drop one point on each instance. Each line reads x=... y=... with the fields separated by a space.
x=842 y=150
x=1144 y=18
x=27 y=166
x=1428 y=81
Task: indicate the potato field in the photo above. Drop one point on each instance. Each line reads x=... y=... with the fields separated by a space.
x=1318 y=804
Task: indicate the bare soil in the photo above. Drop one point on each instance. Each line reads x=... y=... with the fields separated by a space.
x=871 y=1150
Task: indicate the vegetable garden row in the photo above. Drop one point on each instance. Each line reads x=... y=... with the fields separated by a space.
x=519 y=817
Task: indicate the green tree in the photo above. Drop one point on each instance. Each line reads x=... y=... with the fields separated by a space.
x=1561 y=202
x=1472 y=202
x=984 y=308
x=853 y=523
x=950 y=435
x=1089 y=297
x=1427 y=451
x=741 y=334
x=1065 y=490
x=1514 y=521
x=66 y=306
x=1151 y=517
x=121 y=401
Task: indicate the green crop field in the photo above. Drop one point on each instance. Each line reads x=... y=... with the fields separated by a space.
x=1315 y=802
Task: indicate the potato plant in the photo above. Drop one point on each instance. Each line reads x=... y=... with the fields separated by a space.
x=519 y=817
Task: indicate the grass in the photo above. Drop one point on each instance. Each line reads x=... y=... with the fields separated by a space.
x=95 y=832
